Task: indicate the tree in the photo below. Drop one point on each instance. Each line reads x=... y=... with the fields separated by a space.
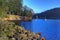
x=26 y=11
x=12 y=6
x=0 y=3
x=15 y=6
x=30 y=12
x=4 y=7
x=0 y=7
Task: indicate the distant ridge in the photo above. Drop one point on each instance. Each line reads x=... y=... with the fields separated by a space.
x=49 y=14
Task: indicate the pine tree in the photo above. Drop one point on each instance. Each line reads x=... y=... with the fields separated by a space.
x=12 y=6
x=27 y=11
x=15 y=6
x=0 y=7
x=4 y=7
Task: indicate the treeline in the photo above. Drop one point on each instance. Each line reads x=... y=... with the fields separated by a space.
x=0 y=7
x=15 y=7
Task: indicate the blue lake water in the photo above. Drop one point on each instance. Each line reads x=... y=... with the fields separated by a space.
x=50 y=29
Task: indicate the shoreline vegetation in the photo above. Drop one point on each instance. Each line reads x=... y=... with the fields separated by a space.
x=12 y=12
x=15 y=7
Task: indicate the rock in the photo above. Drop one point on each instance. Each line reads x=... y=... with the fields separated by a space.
x=15 y=32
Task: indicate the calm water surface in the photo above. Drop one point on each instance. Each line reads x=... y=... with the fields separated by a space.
x=50 y=29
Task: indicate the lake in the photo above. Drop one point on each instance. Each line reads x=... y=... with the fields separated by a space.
x=50 y=29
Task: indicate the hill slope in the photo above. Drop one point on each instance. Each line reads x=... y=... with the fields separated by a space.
x=49 y=14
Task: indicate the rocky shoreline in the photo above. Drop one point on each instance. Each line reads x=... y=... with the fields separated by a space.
x=10 y=31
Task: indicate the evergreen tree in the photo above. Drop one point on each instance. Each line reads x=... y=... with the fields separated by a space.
x=12 y=6
x=27 y=11
x=0 y=7
x=15 y=6
x=4 y=7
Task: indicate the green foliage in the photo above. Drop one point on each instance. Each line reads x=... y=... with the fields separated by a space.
x=7 y=28
x=0 y=8
x=0 y=11
x=26 y=11
x=15 y=7
x=29 y=14
x=11 y=6
x=0 y=3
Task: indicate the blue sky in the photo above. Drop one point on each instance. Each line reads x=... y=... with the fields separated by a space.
x=41 y=5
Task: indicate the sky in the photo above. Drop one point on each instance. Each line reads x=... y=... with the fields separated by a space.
x=39 y=6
